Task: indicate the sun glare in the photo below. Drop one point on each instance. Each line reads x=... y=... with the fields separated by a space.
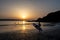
x=23 y=25
x=23 y=22
x=23 y=14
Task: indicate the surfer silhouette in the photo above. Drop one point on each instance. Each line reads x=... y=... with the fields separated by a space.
x=38 y=27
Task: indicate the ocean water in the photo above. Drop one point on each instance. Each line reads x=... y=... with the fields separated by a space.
x=22 y=30
x=8 y=26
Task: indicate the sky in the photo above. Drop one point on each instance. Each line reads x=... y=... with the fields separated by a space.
x=28 y=9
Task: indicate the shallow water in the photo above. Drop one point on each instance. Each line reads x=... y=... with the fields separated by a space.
x=14 y=30
x=8 y=26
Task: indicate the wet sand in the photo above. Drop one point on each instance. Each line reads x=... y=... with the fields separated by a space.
x=26 y=35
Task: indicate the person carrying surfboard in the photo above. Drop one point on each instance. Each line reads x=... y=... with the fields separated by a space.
x=38 y=27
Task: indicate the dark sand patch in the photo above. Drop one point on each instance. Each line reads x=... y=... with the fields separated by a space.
x=47 y=35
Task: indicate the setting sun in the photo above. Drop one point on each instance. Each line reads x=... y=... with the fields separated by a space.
x=23 y=14
x=23 y=17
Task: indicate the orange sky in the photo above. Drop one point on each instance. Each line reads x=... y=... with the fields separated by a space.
x=27 y=9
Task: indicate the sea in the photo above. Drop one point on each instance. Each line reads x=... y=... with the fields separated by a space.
x=23 y=30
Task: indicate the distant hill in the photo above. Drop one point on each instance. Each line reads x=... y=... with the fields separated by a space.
x=51 y=17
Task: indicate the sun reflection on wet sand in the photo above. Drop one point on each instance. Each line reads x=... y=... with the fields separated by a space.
x=23 y=22
x=23 y=27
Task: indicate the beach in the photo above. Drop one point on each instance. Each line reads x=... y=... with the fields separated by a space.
x=48 y=35
x=29 y=32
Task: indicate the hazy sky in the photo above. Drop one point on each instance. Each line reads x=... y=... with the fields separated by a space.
x=32 y=9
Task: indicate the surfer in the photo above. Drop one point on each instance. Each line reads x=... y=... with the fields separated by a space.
x=38 y=26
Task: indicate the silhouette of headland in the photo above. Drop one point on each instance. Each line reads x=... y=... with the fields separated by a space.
x=51 y=17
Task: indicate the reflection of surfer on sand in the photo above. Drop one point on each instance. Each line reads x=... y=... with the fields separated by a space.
x=37 y=26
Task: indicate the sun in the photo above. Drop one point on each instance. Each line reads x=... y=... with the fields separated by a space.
x=23 y=17
x=23 y=14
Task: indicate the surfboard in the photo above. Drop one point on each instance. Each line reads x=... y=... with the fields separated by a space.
x=37 y=27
